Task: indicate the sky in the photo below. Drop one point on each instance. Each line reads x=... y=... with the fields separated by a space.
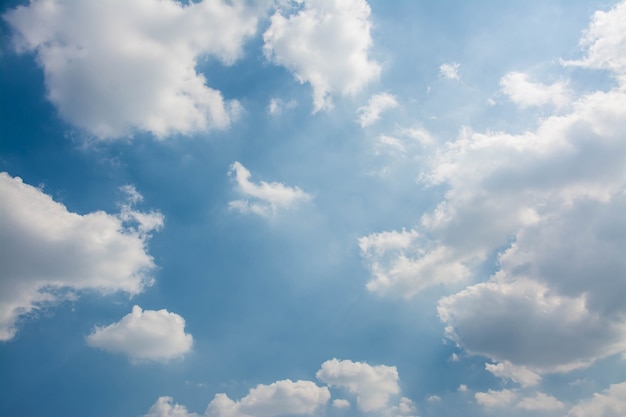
x=313 y=208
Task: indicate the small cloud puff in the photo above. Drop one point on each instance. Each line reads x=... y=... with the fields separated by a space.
x=449 y=71
x=264 y=198
x=144 y=335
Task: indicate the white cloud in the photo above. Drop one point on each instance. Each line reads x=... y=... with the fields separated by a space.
x=496 y=398
x=108 y=252
x=277 y=399
x=144 y=335
x=142 y=75
x=525 y=93
x=540 y=402
x=163 y=408
x=404 y=408
x=609 y=403
x=525 y=377
x=399 y=264
x=549 y=202
x=341 y=403
x=449 y=71
x=324 y=43
x=605 y=42
x=372 y=385
x=377 y=104
x=264 y=198
x=462 y=388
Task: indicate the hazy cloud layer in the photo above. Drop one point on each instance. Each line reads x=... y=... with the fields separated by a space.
x=49 y=253
x=116 y=67
x=324 y=44
x=144 y=335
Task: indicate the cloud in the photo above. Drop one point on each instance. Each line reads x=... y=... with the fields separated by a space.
x=325 y=44
x=378 y=103
x=399 y=265
x=540 y=401
x=605 y=41
x=449 y=71
x=144 y=335
x=140 y=77
x=163 y=408
x=277 y=105
x=609 y=403
x=264 y=198
x=524 y=377
x=372 y=385
x=525 y=93
x=341 y=403
x=433 y=399
x=523 y=321
x=280 y=398
x=548 y=204
x=496 y=398
x=49 y=253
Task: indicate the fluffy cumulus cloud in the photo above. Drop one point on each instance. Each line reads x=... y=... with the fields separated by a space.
x=142 y=75
x=549 y=202
x=605 y=42
x=280 y=398
x=49 y=253
x=400 y=265
x=493 y=398
x=609 y=403
x=165 y=407
x=263 y=198
x=540 y=402
x=323 y=43
x=372 y=385
x=526 y=93
x=144 y=335
x=554 y=198
x=377 y=104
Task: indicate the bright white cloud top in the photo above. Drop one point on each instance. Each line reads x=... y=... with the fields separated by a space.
x=325 y=44
x=372 y=385
x=140 y=76
x=144 y=335
x=49 y=253
x=264 y=198
x=525 y=93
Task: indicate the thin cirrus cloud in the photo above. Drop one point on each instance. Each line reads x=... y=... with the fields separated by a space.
x=141 y=76
x=326 y=45
x=144 y=335
x=561 y=182
x=263 y=199
x=108 y=251
x=378 y=103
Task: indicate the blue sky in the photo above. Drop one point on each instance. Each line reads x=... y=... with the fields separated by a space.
x=313 y=208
